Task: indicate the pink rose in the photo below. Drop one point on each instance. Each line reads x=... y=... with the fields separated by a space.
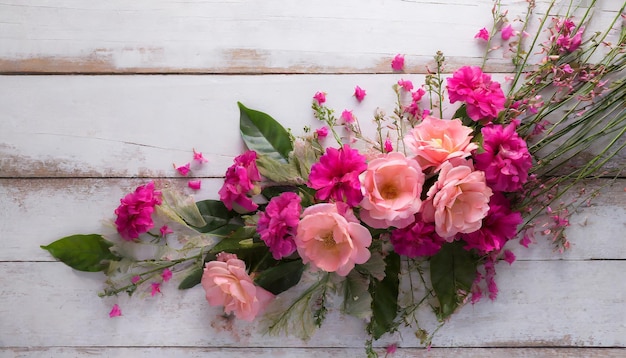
x=435 y=141
x=391 y=186
x=458 y=201
x=227 y=284
x=330 y=238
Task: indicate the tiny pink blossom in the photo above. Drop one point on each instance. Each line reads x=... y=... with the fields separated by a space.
x=184 y=169
x=194 y=184
x=507 y=32
x=391 y=349
x=135 y=279
x=320 y=97
x=482 y=34
x=397 y=64
x=155 y=288
x=509 y=256
x=115 y=311
x=359 y=93
x=166 y=275
x=165 y=230
x=388 y=146
x=197 y=156
x=322 y=132
x=567 y=68
x=406 y=85
x=347 y=116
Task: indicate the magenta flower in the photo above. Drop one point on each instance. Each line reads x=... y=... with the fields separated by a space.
x=184 y=169
x=507 y=32
x=416 y=96
x=135 y=279
x=397 y=64
x=347 y=116
x=239 y=181
x=417 y=239
x=164 y=230
x=115 y=311
x=563 y=33
x=483 y=97
x=506 y=159
x=155 y=288
x=322 y=132
x=194 y=184
x=482 y=34
x=134 y=215
x=336 y=175
x=498 y=227
x=388 y=146
x=406 y=85
x=509 y=256
x=359 y=93
x=166 y=275
x=320 y=97
x=197 y=156
x=278 y=224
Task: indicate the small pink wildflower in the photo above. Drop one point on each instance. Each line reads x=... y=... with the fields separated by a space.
x=166 y=275
x=509 y=256
x=240 y=178
x=397 y=64
x=155 y=288
x=322 y=132
x=184 y=169
x=135 y=279
x=197 y=156
x=392 y=348
x=165 y=230
x=482 y=34
x=320 y=97
x=194 y=184
x=406 y=85
x=359 y=93
x=507 y=32
x=115 y=311
x=527 y=238
x=347 y=116
x=388 y=146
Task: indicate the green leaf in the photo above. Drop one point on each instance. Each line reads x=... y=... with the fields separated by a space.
x=215 y=213
x=385 y=298
x=374 y=267
x=264 y=134
x=279 y=172
x=357 y=301
x=281 y=277
x=82 y=252
x=192 y=279
x=452 y=272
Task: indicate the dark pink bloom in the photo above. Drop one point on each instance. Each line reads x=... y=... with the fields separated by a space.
x=397 y=64
x=115 y=311
x=490 y=278
x=336 y=175
x=507 y=32
x=483 y=97
x=406 y=85
x=184 y=169
x=498 y=227
x=506 y=159
x=166 y=275
x=509 y=256
x=135 y=279
x=392 y=348
x=482 y=34
x=417 y=239
x=416 y=96
x=359 y=93
x=155 y=288
x=347 y=116
x=278 y=224
x=564 y=36
x=320 y=97
x=388 y=146
x=240 y=178
x=165 y=230
x=134 y=215
x=194 y=184
x=197 y=156
x=322 y=132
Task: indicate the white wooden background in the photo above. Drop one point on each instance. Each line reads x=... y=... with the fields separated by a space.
x=99 y=97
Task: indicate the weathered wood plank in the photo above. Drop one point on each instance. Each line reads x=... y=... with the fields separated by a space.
x=129 y=126
x=541 y=303
x=169 y=36
x=196 y=352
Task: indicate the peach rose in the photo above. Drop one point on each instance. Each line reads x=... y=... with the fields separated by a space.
x=227 y=284
x=391 y=186
x=330 y=237
x=435 y=141
x=458 y=201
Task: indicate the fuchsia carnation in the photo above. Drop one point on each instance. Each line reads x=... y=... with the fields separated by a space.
x=498 y=227
x=359 y=93
x=483 y=97
x=336 y=175
x=277 y=225
x=320 y=97
x=397 y=64
x=417 y=239
x=134 y=215
x=506 y=159
x=240 y=178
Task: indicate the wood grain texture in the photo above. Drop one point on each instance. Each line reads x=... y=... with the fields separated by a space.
x=197 y=36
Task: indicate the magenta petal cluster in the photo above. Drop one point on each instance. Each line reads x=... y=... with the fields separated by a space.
x=227 y=284
x=563 y=34
x=498 y=227
x=483 y=97
x=240 y=178
x=336 y=175
x=277 y=225
x=417 y=239
x=134 y=215
x=482 y=34
x=397 y=64
x=506 y=159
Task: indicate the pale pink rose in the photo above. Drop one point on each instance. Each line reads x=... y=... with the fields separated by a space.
x=435 y=141
x=458 y=201
x=330 y=238
x=227 y=284
x=391 y=186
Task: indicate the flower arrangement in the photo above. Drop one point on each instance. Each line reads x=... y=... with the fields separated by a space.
x=428 y=199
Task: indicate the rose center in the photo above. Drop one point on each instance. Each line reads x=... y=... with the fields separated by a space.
x=329 y=240
x=389 y=191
